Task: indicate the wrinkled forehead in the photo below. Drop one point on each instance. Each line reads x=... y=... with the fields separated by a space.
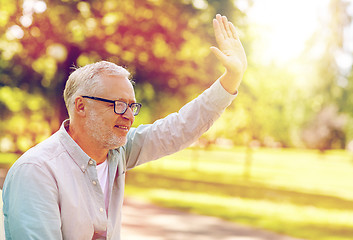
x=116 y=87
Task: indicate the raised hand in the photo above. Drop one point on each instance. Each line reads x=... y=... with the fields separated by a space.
x=230 y=52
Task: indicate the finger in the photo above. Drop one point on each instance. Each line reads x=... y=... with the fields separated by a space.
x=226 y=26
x=219 y=54
x=234 y=31
x=217 y=31
x=220 y=22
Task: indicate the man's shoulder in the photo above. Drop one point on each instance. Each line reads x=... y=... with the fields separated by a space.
x=41 y=158
x=44 y=151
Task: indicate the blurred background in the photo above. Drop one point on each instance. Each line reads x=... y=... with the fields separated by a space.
x=279 y=158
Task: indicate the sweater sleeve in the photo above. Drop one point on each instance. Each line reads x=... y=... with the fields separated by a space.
x=178 y=130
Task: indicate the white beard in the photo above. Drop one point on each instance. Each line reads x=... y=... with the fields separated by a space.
x=102 y=135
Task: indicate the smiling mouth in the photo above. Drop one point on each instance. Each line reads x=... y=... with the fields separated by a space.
x=122 y=127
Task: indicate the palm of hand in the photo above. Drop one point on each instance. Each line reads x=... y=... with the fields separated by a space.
x=231 y=52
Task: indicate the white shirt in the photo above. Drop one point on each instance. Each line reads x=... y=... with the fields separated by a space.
x=103 y=178
x=52 y=191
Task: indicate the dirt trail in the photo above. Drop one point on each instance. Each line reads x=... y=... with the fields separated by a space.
x=145 y=221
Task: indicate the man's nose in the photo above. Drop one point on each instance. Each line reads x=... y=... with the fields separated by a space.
x=129 y=114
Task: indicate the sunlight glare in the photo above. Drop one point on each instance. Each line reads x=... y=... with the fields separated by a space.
x=286 y=25
x=37 y=6
x=14 y=32
x=26 y=20
x=200 y=4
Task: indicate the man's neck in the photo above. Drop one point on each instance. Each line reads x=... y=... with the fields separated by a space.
x=89 y=147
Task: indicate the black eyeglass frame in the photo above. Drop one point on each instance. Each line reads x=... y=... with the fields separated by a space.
x=138 y=105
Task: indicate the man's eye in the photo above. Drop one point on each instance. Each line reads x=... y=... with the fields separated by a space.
x=120 y=105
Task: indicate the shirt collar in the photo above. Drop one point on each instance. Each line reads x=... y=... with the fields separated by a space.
x=73 y=149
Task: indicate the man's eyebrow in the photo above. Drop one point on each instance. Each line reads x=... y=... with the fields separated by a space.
x=125 y=100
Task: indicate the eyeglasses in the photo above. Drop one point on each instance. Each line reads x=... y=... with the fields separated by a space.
x=120 y=107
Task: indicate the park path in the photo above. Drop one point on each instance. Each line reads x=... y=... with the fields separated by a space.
x=145 y=221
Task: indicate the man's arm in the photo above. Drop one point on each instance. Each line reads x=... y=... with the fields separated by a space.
x=230 y=52
x=35 y=214
x=179 y=130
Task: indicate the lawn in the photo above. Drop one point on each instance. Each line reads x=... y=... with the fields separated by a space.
x=301 y=193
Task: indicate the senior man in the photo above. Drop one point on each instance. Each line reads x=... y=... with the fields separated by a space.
x=71 y=185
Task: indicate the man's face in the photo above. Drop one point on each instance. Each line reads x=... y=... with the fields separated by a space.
x=107 y=128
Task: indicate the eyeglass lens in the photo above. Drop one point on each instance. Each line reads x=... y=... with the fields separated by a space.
x=120 y=107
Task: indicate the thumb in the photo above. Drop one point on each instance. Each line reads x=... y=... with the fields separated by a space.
x=219 y=54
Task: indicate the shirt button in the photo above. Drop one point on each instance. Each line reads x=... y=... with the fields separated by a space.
x=101 y=209
x=83 y=166
x=94 y=182
x=90 y=162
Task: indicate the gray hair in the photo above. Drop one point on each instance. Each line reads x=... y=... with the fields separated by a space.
x=86 y=80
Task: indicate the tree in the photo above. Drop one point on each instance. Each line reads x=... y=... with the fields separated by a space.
x=328 y=50
x=163 y=43
x=326 y=130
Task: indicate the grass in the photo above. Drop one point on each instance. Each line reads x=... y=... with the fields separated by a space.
x=299 y=193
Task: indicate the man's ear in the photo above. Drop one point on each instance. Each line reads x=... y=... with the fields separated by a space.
x=80 y=106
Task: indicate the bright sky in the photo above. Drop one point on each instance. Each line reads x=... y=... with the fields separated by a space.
x=285 y=26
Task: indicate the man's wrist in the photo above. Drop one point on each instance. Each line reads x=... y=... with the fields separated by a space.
x=230 y=82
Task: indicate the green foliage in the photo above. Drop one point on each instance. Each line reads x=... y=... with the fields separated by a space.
x=165 y=44
x=8 y=159
x=265 y=110
x=23 y=122
x=331 y=81
x=161 y=42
